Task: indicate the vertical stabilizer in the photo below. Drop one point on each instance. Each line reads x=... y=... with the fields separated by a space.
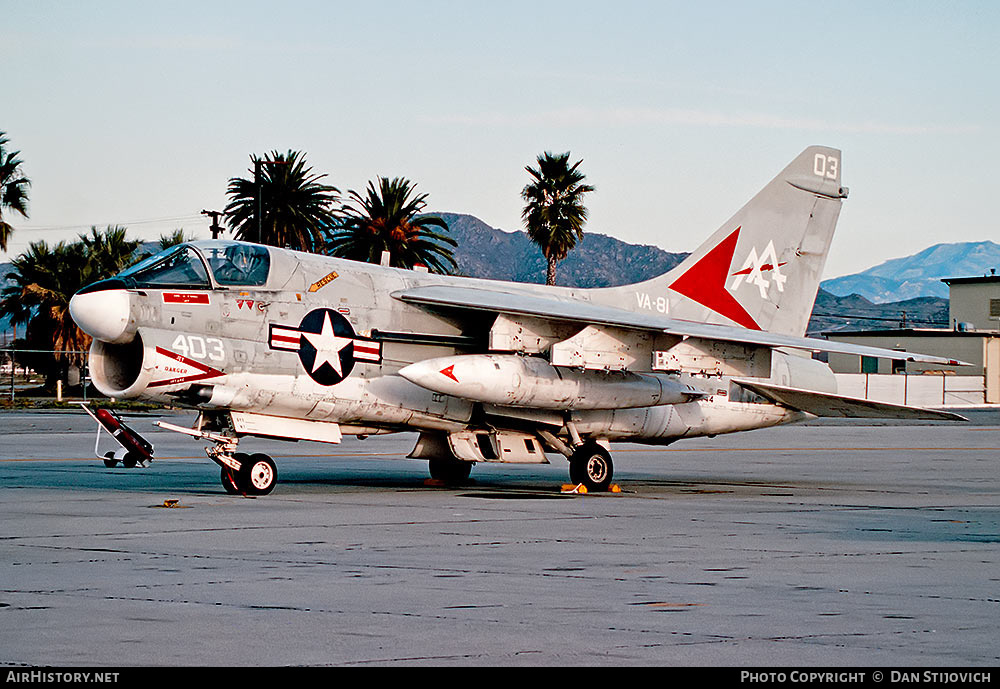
x=762 y=268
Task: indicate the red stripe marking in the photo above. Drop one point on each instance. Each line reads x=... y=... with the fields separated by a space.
x=766 y=266
x=206 y=371
x=185 y=298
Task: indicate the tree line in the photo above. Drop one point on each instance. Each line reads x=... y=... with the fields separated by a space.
x=284 y=204
x=281 y=202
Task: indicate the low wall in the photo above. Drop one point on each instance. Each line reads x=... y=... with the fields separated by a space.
x=916 y=390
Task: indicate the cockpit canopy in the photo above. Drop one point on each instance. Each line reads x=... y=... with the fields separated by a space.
x=237 y=264
x=230 y=264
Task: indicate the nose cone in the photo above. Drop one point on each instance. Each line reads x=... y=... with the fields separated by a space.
x=430 y=375
x=464 y=375
x=104 y=314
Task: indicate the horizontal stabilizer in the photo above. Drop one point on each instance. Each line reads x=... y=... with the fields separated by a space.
x=829 y=404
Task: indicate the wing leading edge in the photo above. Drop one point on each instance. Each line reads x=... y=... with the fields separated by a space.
x=585 y=312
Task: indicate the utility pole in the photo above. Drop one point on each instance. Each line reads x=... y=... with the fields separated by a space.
x=256 y=176
x=216 y=228
x=13 y=363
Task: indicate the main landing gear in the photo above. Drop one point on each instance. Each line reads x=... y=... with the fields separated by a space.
x=590 y=465
x=590 y=462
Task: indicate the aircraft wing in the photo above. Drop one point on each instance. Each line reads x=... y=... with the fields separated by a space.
x=829 y=404
x=578 y=311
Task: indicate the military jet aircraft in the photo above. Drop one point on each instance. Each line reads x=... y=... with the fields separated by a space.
x=274 y=343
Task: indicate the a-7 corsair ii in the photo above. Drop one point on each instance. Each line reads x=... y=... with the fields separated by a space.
x=280 y=344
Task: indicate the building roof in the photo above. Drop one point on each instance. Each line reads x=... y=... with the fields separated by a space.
x=913 y=332
x=971 y=280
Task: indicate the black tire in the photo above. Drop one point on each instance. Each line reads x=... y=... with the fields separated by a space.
x=110 y=461
x=227 y=473
x=258 y=475
x=130 y=460
x=230 y=481
x=591 y=465
x=450 y=471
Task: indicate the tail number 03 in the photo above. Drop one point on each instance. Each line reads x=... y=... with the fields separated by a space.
x=197 y=347
x=826 y=166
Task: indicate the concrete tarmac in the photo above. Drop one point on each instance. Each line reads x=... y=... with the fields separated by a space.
x=814 y=545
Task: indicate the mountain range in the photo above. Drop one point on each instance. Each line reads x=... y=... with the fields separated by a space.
x=597 y=260
x=919 y=275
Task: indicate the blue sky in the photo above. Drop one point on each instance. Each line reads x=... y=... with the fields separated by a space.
x=139 y=113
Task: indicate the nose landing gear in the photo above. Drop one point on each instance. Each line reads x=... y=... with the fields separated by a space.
x=240 y=473
x=257 y=475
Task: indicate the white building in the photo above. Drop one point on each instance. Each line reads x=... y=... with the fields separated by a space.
x=974 y=311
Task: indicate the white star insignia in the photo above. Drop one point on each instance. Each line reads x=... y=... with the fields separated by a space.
x=328 y=346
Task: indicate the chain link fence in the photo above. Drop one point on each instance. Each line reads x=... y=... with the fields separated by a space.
x=43 y=375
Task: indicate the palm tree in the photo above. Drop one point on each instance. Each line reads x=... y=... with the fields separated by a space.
x=108 y=252
x=554 y=213
x=388 y=218
x=292 y=206
x=173 y=239
x=165 y=242
x=45 y=278
x=13 y=188
x=38 y=295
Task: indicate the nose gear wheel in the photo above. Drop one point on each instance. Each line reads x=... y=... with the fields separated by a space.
x=258 y=475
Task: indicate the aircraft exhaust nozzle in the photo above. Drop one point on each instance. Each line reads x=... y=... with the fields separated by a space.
x=104 y=314
x=519 y=381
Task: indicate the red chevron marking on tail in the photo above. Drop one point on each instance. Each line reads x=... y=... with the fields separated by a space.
x=705 y=283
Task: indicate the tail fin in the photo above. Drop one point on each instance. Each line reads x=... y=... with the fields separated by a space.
x=762 y=268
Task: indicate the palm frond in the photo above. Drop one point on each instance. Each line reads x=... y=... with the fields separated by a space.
x=388 y=217
x=13 y=188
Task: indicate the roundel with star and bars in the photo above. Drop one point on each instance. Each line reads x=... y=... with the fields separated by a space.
x=326 y=344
